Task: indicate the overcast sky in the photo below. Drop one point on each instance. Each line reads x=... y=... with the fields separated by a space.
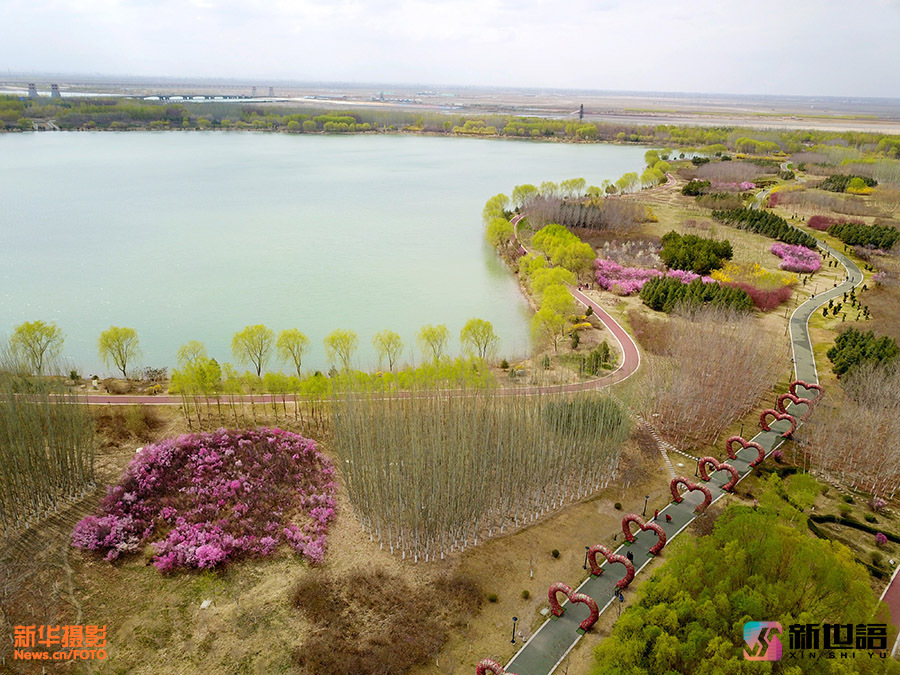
x=806 y=47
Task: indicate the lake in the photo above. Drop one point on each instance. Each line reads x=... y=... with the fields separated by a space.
x=194 y=235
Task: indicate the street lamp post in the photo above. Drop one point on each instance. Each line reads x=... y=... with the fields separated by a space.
x=515 y=618
x=646 y=499
x=586 y=549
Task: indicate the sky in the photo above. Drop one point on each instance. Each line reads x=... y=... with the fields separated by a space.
x=767 y=47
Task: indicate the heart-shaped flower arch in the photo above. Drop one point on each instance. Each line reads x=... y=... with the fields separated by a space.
x=781 y=406
x=719 y=466
x=634 y=518
x=792 y=387
x=677 y=498
x=729 y=448
x=557 y=609
x=763 y=421
x=490 y=666
x=611 y=558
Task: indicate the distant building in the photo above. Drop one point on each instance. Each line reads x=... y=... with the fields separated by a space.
x=32 y=90
x=54 y=91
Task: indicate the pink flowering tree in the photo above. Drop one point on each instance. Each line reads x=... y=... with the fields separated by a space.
x=201 y=500
x=611 y=276
x=795 y=258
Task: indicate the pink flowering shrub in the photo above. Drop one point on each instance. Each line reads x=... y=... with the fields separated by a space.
x=796 y=258
x=881 y=539
x=629 y=280
x=204 y=499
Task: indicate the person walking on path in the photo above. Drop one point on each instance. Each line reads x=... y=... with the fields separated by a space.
x=668 y=518
x=656 y=514
x=630 y=556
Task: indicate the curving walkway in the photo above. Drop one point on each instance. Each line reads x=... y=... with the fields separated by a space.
x=801 y=345
x=552 y=642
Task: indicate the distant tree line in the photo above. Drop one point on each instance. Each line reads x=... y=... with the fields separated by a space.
x=112 y=113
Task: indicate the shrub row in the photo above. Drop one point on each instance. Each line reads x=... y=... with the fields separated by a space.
x=664 y=294
x=765 y=223
x=858 y=234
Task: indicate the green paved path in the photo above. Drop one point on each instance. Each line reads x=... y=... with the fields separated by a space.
x=804 y=363
x=555 y=638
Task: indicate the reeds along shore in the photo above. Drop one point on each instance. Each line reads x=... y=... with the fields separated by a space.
x=439 y=471
x=46 y=451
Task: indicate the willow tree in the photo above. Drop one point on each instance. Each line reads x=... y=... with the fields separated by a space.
x=190 y=352
x=389 y=346
x=433 y=339
x=119 y=346
x=523 y=195
x=36 y=343
x=292 y=345
x=479 y=338
x=253 y=345
x=548 y=327
x=340 y=345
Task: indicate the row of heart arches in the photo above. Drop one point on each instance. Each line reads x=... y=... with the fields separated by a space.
x=779 y=413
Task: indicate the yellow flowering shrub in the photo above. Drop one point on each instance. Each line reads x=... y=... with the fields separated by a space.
x=755 y=274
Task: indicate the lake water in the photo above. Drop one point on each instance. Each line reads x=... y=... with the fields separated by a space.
x=193 y=235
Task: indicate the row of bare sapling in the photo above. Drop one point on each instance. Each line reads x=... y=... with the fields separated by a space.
x=208 y=408
x=47 y=448
x=705 y=369
x=856 y=441
x=437 y=471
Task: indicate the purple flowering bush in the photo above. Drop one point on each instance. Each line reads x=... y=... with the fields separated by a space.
x=204 y=499
x=629 y=280
x=796 y=258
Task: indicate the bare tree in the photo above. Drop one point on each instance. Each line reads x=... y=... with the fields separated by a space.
x=710 y=368
x=854 y=440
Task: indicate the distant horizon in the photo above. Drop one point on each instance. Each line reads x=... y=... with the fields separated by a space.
x=25 y=77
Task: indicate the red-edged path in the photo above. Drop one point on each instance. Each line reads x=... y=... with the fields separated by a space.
x=891 y=597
